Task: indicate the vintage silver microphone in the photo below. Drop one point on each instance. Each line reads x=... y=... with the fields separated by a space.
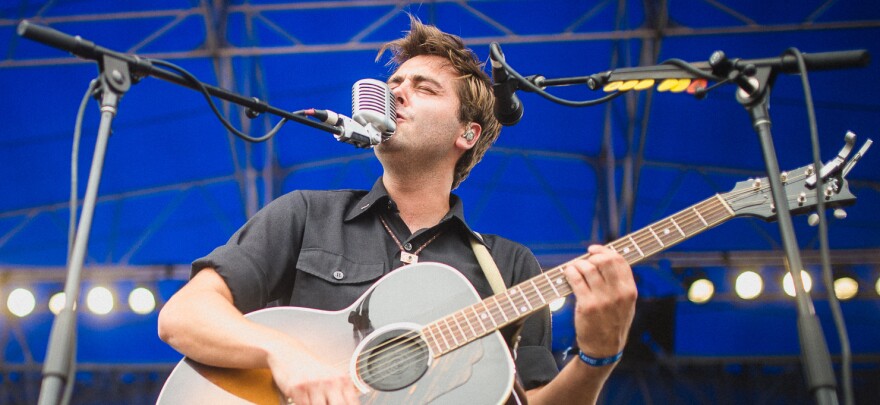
x=373 y=111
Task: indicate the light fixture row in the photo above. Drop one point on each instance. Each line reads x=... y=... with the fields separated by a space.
x=99 y=300
x=749 y=285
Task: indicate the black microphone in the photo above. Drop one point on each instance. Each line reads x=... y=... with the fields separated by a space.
x=508 y=108
x=375 y=116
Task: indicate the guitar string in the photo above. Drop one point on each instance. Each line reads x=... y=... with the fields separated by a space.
x=407 y=341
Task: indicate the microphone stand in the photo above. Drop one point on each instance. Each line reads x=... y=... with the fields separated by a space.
x=115 y=80
x=754 y=78
x=815 y=357
x=118 y=72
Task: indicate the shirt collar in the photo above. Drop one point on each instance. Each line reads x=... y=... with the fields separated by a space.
x=379 y=195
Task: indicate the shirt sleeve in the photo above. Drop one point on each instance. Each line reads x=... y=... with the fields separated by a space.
x=254 y=260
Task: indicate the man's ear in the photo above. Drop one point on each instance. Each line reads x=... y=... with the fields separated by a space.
x=470 y=136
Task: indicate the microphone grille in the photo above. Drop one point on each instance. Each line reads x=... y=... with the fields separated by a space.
x=373 y=103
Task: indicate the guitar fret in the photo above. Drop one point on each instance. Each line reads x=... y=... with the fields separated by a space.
x=725 y=205
x=526 y=300
x=633 y=241
x=443 y=336
x=464 y=335
x=656 y=237
x=701 y=217
x=550 y=282
x=512 y=304
x=677 y=227
x=540 y=295
x=500 y=309
x=489 y=314
x=468 y=321
x=431 y=338
x=476 y=314
x=671 y=233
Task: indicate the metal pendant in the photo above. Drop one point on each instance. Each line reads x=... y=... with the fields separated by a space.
x=408 y=258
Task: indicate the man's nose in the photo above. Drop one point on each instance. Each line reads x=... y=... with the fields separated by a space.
x=399 y=95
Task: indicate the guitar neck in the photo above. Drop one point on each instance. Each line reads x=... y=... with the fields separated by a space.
x=500 y=310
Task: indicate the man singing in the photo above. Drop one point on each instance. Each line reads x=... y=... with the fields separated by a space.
x=324 y=249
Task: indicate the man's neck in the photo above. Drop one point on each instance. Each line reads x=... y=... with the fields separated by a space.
x=422 y=201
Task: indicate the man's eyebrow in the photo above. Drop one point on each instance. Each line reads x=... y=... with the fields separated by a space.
x=396 y=79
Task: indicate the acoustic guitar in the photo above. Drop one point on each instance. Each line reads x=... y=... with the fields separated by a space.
x=422 y=335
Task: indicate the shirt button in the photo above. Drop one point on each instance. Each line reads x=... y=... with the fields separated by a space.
x=338 y=275
x=408 y=246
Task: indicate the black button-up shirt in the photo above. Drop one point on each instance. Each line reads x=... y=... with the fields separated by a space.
x=324 y=249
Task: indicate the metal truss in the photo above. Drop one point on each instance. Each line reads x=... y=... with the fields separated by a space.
x=209 y=10
x=614 y=213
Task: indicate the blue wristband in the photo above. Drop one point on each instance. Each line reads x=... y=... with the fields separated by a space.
x=599 y=362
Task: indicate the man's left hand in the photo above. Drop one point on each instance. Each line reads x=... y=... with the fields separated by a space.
x=606 y=295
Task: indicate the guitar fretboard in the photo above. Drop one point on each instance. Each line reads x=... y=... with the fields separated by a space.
x=493 y=313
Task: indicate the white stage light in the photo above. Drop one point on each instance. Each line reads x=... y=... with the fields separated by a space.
x=100 y=300
x=701 y=291
x=846 y=288
x=21 y=302
x=557 y=304
x=749 y=285
x=788 y=284
x=141 y=301
x=56 y=303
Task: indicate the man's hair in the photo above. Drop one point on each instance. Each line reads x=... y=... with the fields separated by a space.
x=473 y=87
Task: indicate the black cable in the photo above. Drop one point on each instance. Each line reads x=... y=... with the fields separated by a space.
x=845 y=355
x=223 y=119
x=535 y=89
x=681 y=64
x=74 y=166
x=69 y=382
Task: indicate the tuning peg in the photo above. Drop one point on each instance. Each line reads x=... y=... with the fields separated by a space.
x=813 y=219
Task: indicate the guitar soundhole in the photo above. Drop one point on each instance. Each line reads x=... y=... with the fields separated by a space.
x=393 y=359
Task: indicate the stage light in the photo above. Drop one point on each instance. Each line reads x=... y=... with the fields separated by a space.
x=749 y=285
x=557 y=304
x=701 y=291
x=21 y=302
x=877 y=286
x=100 y=300
x=56 y=303
x=141 y=301
x=845 y=288
x=788 y=284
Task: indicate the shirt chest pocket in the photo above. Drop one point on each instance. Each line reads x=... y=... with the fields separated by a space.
x=329 y=281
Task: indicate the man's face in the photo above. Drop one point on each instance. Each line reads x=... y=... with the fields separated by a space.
x=427 y=109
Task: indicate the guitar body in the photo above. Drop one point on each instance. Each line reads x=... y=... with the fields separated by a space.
x=480 y=372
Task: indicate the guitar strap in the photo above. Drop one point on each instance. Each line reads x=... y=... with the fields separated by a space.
x=490 y=269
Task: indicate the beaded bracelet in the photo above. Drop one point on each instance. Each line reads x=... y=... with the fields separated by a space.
x=599 y=362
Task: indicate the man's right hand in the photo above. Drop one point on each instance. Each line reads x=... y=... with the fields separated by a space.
x=304 y=380
x=201 y=322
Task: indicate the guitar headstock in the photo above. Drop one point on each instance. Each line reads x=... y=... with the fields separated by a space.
x=753 y=197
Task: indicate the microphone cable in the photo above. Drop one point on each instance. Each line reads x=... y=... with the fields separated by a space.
x=223 y=120
x=827 y=277
x=494 y=49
